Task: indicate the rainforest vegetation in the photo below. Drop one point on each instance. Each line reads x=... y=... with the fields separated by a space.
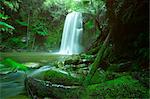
x=113 y=63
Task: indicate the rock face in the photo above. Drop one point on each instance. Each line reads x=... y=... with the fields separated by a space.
x=32 y=65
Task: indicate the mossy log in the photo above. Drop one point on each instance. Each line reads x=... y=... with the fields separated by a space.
x=40 y=89
x=97 y=61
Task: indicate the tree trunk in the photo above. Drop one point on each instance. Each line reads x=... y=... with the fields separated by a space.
x=126 y=24
x=28 y=35
x=97 y=61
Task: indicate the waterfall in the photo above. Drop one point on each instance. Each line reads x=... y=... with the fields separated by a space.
x=70 y=43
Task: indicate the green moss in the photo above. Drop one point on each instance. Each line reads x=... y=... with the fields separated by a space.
x=122 y=87
x=11 y=63
x=101 y=76
x=61 y=77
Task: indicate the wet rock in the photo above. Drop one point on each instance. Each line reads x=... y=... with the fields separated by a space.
x=32 y=65
x=74 y=62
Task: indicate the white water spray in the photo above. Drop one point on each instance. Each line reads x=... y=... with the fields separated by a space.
x=70 y=43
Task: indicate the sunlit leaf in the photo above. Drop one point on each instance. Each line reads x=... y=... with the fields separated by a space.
x=3 y=24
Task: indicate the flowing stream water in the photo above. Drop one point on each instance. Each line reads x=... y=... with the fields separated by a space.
x=12 y=83
x=72 y=32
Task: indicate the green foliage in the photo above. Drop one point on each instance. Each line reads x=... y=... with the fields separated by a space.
x=3 y=17
x=54 y=37
x=69 y=5
x=16 y=42
x=11 y=63
x=90 y=24
x=13 y=5
x=40 y=28
x=5 y=26
x=9 y=4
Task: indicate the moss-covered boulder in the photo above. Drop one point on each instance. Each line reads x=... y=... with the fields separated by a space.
x=56 y=76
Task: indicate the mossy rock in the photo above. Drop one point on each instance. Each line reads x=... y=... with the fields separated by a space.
x=101 y=76
x=122 y=87
x=61 y=77
x=56 y=76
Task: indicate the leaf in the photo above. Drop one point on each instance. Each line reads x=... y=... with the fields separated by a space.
x=3 y=24
x=21 y=23
x=43 y=33
x=4 y=17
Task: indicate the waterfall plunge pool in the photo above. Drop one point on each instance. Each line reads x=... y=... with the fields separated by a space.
x=33 y=56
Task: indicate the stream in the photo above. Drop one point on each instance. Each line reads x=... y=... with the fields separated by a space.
x=12 y=83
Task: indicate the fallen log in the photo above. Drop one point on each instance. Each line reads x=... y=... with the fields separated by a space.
x=41 y=89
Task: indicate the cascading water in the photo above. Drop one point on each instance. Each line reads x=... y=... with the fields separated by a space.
x=70 y=43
